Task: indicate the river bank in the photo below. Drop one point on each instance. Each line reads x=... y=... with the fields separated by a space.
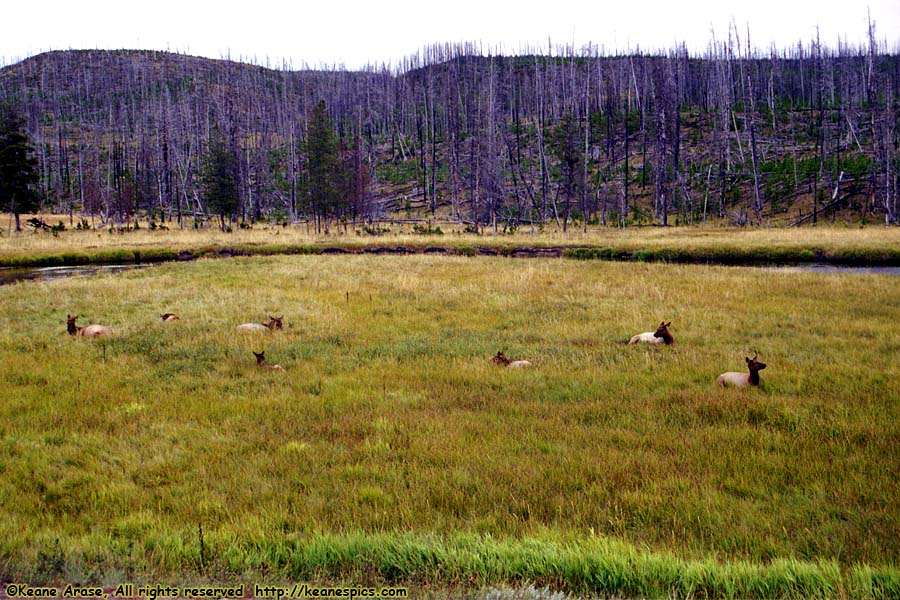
x=723 y=255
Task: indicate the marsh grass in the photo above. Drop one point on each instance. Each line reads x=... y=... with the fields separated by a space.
x=391 y=445
x=836 y=244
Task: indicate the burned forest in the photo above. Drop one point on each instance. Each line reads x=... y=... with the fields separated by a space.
x=561 y=136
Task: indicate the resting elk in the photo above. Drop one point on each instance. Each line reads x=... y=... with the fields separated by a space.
x=500 y=359
x=736 y=379
x=273 y=324
x=169 y=317
x=261 y=362
x=88 y=331
x=660 y=336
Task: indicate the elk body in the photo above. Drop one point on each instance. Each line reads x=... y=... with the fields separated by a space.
x=273 y=324
x=88 y=331
x=500 y=359
x=733 y=378
x=168 y=317
x=261 y=362
x=660 y=336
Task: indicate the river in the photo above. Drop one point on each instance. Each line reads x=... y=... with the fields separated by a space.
x=10 y=275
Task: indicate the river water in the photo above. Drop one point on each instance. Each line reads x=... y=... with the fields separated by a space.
x=15 y=274
x=825 y=268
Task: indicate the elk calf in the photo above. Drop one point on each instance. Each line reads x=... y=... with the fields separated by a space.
x=736 y=379
x=88 y=331
x=500 y=359
x=660 y=336
x=261 y=362
x=273 y=324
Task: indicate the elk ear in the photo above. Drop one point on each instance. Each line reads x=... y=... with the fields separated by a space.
x=747 y=359
x=669 y=323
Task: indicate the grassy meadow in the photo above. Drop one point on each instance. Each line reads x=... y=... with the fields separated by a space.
x=838 y=244
x=392 y=449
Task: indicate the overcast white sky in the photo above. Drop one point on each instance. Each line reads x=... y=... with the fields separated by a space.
x=353 y=34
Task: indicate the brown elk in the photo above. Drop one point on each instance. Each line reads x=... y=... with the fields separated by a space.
x=275 y=323
x=88 y=331
x=261 y=362
x=169 y=317
x=500 y=359
x=660 y=336
x=736 y=379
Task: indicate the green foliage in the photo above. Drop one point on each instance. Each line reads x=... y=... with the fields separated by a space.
x=593 y=253
x=18 y=167
x=219 y=177
x=375 y=230
x=427 y=229
x=397 y=173
x=322 y=182
x=780 y=174
x=599 y=124
x=856 y=165
x=278 y=216
x=566 y=145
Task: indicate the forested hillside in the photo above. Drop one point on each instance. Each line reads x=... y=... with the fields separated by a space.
x=566 y=137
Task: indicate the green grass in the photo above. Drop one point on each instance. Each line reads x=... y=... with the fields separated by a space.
x=392 y=448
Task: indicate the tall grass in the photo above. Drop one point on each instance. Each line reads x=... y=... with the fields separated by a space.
x=392 y=444
x=592 y=565
x=849 y=245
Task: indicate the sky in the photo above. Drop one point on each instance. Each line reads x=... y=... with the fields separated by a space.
x=352 y=34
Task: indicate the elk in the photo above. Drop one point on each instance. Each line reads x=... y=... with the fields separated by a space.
x=500 y=359
x=660 y=336
x=168 y=317
x=261 y=362
x=743 y=379
x=88 y=331
x=273 y=324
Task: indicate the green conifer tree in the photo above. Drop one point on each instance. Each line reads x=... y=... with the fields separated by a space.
x=219 y=178
x=323 y=168
x=18 y=168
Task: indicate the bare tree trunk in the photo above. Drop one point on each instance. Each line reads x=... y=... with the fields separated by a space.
x=757 y=205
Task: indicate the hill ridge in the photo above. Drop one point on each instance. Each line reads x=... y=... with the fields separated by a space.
x=479 y=140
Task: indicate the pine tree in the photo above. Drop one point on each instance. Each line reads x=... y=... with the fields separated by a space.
x=323 y=167
x=220 y=178
x=18 y=167
x=566 y=142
